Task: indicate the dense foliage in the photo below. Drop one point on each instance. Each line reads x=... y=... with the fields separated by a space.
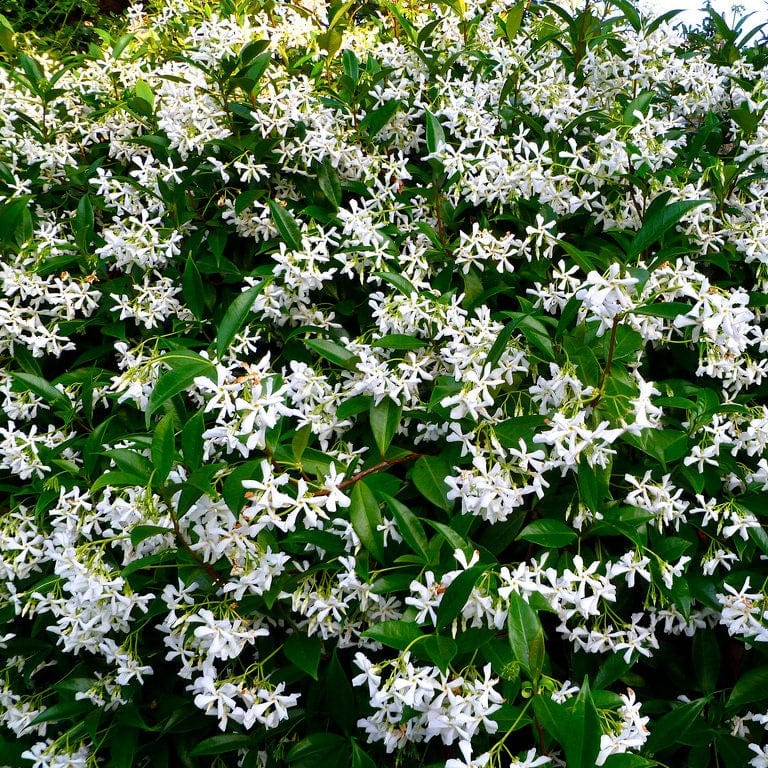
x=384 y=384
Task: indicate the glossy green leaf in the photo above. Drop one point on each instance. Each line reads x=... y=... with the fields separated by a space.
x=548 y=533
x=751 y=687
x=582 y=741
x=333 y=352
x=435 y=133
x=328 y=181
x=82 y=224
x=286 y=225
x=221 y=744
x=668 y=730
x=235 y=316
x=185 y=368
x=409 y=527
x=428 y=475
x=304 y=652
x=659 y=219
x=456 y=595
x=526 y=635
x=365 y=517
x=163 y=448
x=384 y=419
x=395 y=634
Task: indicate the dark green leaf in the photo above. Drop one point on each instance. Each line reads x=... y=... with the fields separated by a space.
x=82 y=224
x=304 y=652
x=235 y=316
x=141 y=532
x=409 y=527
x=526 y=635
x=163 y=447
x=435 y=133
x=456 y=595
x=185 y=368
x=668 y=730
x=328 y=181
x=438 y=649
x=751 y=687
x=582 y=743
x=192 y=440
x=395 y=634
x=316 y=747
x=333 y=352
x=384 y=419
x=376 y=119
x=428 y=475
x=192 y=288
x=365 y=516
x=221 y=743
x=286 y=225
x=548 y=533
x=398 y=341
x=659 y=220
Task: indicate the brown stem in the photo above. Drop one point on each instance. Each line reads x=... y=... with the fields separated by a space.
x=371 y=470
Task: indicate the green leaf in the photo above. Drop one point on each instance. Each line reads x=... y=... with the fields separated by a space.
x=666 y=309
x=552 y=716
x=39 y=386
x=192 y=440
x=82 y=224
x=438 y=649
x=548 y=533
x=131 y=463
x=351 y=65
x=384 y=419
x=399 y=341
x=144 y=92
x=428 y=475
x=456 y=595
x=117 y=480
x=141 y=532
x=593 y=485
x=526 y=635
x=317 y=746
x=396 y=280
x=221 y=743
x=452 y=537
x=365 y=516
x=582 y=743
x=235 y=316
x=751 y=687
x=163 y=445
x=628 y=760
x=513 y=20
x=192 y=289
x=328 y=181
x=668 y=730
x=395 y=634
x=339 y=695
x=409 y=527
x=376 y=119
x=658 y=220
x=706 y=659
x=304 y=652
x=185 y=368
x=333 y=352
x=360 y=759
x=435 y=133
x=286 y=225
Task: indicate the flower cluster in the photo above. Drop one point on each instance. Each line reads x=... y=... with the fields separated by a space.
x=370 y=372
